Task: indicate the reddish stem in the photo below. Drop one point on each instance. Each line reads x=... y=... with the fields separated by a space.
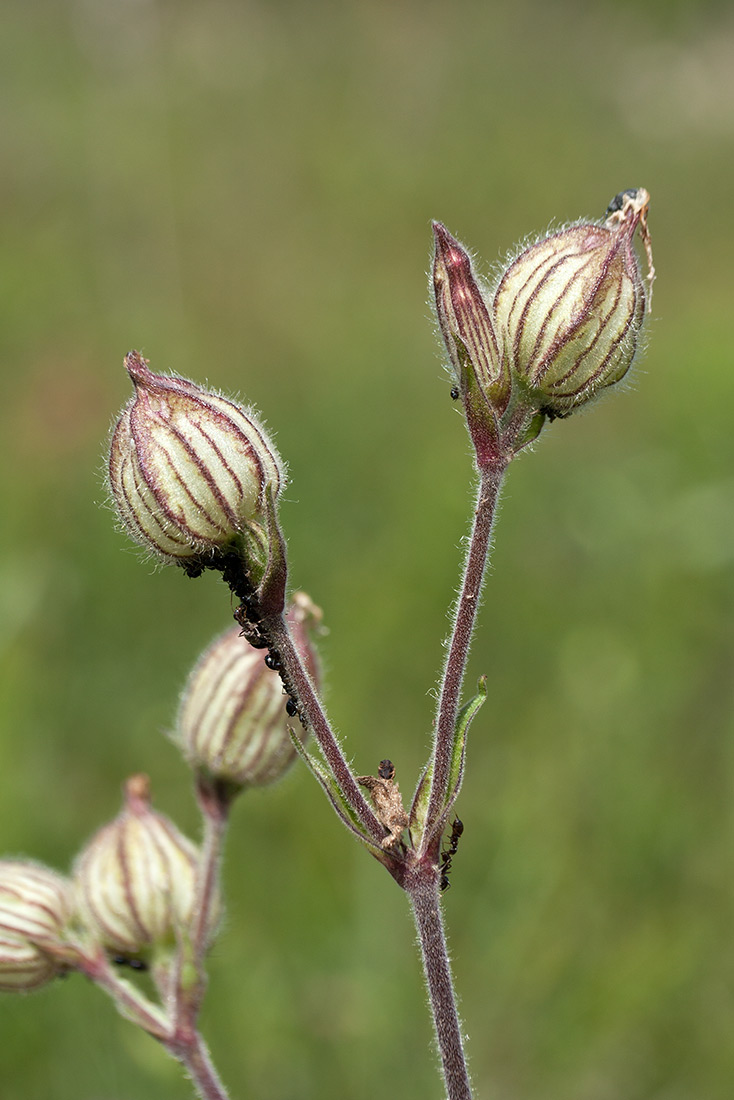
x=191 y=1051
x=182 y=1040
x=467 y=605
x=189 y=980
x=296 y=677
x=130 y=1002
x=423 y=892
x=214 y=801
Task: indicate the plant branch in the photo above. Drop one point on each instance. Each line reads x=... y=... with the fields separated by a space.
x=296 y=680
x=133 y=1004
x=192 y=1052
x=189 y=978
x=424 y=898
x=214 y=801
x=467 y=604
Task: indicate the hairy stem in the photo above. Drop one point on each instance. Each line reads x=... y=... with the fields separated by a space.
x=181 y=1038
x=191 y=1051
x=296 y=678
x=424 y=898
x=214 y=802
x=133 y=1004
x=189 y=975
x=465 y=612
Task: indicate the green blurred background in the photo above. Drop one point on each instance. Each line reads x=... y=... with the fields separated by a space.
x=244 y=190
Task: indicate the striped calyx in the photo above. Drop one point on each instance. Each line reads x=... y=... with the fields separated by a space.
x=464 y=320
x=35 y=905
x=232 y=721
x=569 y=310
x=188 y=469
x=136 y=879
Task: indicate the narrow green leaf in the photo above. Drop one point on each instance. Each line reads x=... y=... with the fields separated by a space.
x=419 y=807
x=335 y=796
x=463 y=721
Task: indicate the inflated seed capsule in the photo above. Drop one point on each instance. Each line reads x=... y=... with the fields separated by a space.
x=188 y=469
x=136 y=878
x=569 y=310
x=35 y=905
x=232 y=722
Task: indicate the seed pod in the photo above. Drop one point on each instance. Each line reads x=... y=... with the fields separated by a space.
x=233 y=718
x=188 y=469
x=136 y=878
x=35 y=904
x=568 y=311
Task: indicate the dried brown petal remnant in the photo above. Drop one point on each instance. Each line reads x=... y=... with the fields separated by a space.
x=385 y=795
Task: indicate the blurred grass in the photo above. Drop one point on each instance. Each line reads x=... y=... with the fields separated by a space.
x=244 y=190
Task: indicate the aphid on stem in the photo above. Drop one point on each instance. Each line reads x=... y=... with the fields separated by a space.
x=457 y=828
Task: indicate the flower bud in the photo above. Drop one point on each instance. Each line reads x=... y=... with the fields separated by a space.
x=188 y=470
x=569 y=309
x=232 y=721
x=35 y=904
x=464 y=319
x=136 y=879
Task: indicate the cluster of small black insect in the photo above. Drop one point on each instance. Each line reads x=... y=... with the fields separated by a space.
x=248 y=615
x=134 y=964
x=457 y=828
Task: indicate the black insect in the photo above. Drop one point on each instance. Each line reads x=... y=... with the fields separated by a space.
x=192 y=568
x=134 y=964
x=455 y=393
x=291 y=707
x=250 y=630
x=386 y=769
x=457 y=828
x=272 y=659
x=618 y=201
